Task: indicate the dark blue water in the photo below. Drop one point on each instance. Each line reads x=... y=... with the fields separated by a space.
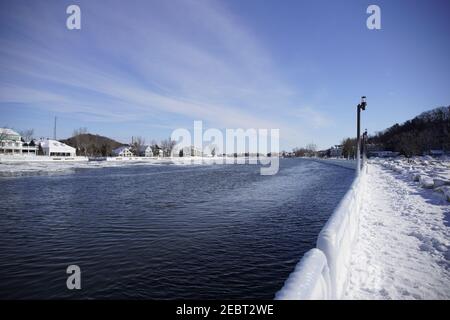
x=163 y=232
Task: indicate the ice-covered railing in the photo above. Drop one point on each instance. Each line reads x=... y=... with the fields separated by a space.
x=309 y=280
x=322 y=273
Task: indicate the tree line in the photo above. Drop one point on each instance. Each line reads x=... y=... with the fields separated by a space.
x=88 y=144
x=428 y=131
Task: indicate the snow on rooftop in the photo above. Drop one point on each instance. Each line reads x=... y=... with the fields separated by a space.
x=120 y=149
x=8 y=131
x=56 y=146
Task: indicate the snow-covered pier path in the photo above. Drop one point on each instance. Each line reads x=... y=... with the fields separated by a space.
x=403 y=247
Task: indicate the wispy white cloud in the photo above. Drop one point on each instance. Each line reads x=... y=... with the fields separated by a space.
x=314 y=117
x=192 y=59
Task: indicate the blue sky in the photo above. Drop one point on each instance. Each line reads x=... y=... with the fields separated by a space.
x=144 y=68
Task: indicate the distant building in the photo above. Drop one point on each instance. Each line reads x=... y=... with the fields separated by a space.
x=123 y=152
x=383 y=154
x=148 y=152
x=195 y=152
x=11 y=143
x=370 y=147
x=30 y=148
x=284 y=154
x=157 y=151
x=336 y=151
x=142 y=152
x=323 y=153
x=192 y=151
x=436 y=153
x=53 y=148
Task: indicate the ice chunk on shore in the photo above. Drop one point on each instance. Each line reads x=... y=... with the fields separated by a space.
x=445 y=190
x=426 y=182
x=438 y=182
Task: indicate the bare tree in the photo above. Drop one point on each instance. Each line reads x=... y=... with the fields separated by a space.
x=348 y=147
x=155 y=148
x=81 y=144
x=3 y=134
x=311 y=147
x=167 y=146
x=311 y=150
x=137 y=144
x=27 y=135
x=79 y=131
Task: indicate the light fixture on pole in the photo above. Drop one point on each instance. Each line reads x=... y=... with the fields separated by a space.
x=361 y=106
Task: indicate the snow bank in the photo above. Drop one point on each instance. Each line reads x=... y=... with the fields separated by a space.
x=426 y=182
x=42 y=165
x=322 y=273
x=46 y=159
x=445 y=190
x=18 y=169
x=430 y=173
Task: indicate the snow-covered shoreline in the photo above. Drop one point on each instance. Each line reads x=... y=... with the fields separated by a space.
x=43 y=166
x=388 y=238
x=11 y=159
x=403 y=247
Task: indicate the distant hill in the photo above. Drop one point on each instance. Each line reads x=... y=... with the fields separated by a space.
x=429 y=130
x=88 y=144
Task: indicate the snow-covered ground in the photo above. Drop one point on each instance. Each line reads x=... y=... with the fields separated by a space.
x=14 y=169
x=429 y=172
x=403 y=247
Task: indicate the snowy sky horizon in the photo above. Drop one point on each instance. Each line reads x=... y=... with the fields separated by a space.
x=145 y=68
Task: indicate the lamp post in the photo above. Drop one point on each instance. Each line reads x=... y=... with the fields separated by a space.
x=361 y=106
x=364 y=147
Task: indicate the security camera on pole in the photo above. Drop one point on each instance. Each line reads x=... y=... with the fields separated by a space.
x=361 y=106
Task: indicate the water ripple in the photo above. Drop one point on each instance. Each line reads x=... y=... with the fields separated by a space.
x=163 y=231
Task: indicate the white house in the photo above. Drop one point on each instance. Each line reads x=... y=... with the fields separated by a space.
x=336 y=151
x=29 y=148
x=55 y=148
x=148 y=152
x=158 y=152
x=11 y=143
x=195 y=152
x=192 y=152
x=123 y=152
x=145 y=151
